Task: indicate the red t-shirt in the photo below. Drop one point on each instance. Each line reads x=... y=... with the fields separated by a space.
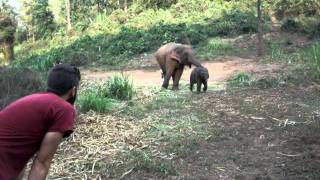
x=23 y=125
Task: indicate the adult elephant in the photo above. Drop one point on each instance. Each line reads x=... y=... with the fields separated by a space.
x=172 y=58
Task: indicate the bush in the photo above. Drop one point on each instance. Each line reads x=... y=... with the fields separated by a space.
x=120 y=87
x=16 y=83
x=236 y=22
x=307 y=25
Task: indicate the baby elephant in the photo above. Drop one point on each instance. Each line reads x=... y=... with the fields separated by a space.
x=199 y=75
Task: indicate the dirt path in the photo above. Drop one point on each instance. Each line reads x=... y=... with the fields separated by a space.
x=219 y=71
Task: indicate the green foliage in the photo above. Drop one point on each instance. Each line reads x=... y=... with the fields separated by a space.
x=42 y=19
x=120 y=87
x=116 y=43
x=7 y=23
x=42 y=61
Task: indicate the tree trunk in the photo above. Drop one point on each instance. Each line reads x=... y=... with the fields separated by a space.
x=8 y=52
x=260 y=48
x=68 y=11
x=125 y=5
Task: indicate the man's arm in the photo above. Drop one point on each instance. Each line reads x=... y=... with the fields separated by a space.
x=41 y=163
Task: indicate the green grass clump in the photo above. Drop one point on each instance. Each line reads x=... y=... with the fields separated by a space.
x=101 y=96
x=93 y=96
x=241 y=79
x=120 y=87
x=313 y=56
x=92 y=101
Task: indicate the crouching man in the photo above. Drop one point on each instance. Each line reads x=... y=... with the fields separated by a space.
x=36 y=124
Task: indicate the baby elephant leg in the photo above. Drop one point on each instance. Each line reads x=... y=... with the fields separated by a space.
x=191 y=86
x=199 y=86
x=205 y=86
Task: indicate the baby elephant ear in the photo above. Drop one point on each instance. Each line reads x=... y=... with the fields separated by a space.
x=175 y=56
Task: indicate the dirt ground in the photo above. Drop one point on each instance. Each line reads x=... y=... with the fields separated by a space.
x=265 y=134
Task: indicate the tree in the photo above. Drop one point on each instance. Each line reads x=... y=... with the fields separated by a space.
x=7 y=31
x=27 y=18
x=68 y=12
x=42 y=19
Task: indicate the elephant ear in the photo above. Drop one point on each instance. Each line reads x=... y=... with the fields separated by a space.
x=175 y=56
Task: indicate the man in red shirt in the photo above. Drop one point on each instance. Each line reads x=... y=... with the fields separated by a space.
x=36 y=124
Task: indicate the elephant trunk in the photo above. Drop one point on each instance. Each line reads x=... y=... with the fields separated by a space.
x=192 y=61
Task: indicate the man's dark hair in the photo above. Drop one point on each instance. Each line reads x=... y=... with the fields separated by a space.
x=62 y=78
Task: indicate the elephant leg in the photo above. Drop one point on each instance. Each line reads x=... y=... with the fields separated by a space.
x=173 y=75
x=205 y=86
x=198 y=86
x=177 y=76
x=169 y=72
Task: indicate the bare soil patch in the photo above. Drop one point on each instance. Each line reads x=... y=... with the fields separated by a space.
x=220 y=70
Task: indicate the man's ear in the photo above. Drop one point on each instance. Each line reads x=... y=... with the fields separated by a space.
x=73 y=91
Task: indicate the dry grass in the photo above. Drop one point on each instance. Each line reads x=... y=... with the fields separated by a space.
x=95 y=145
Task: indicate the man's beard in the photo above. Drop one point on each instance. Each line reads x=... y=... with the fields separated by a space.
x=71 y=100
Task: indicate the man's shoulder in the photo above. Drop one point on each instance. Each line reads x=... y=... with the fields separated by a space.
x=47 y=99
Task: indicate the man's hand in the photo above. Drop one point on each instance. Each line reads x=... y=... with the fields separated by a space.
x=41 y=163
